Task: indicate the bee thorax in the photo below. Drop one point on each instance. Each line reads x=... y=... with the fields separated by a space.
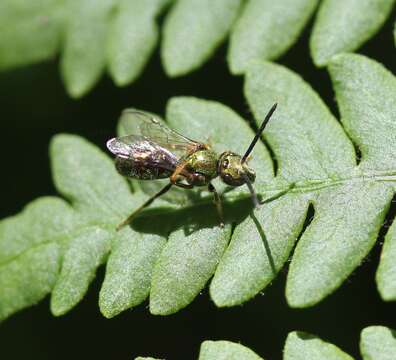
x=202 y=165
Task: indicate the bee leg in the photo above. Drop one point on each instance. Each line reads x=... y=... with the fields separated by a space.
x=217 y=201
x=140 y=208
x=176 y=179
x=179 y=172
x=184 y=186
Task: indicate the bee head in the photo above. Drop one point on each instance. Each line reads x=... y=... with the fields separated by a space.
x=233 y=171
x=233 y=168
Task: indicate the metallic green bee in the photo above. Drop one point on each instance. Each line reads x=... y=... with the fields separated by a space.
x=158 y=152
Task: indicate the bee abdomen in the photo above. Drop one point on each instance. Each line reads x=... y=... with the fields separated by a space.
x=140 y=170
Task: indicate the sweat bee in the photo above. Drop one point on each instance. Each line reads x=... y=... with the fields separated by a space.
x=156 y=152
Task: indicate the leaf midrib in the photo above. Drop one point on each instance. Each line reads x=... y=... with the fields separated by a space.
x=322 y=183
x=312 y=185
x=300 y=187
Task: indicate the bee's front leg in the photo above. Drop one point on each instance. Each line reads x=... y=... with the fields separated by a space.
x=179 y=175
x=177 y=181
x=217 y=201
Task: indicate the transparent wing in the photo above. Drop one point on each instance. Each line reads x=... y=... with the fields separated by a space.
x=148 y=126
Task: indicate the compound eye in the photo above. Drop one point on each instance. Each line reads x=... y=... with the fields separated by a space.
x=225 y=164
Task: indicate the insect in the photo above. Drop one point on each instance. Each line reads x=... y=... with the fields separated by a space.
x=156 y=152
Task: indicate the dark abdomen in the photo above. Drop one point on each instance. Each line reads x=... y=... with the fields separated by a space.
x=139 y=169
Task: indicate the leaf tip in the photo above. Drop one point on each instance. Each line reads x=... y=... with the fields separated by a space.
x=63 y=140
x=174 y=69
x=75 y=91
x=344 y=58
x=158 y=308
x=56 y=142
x=375 y=330
x=106 y=310
x=57 y=308
x=121 y=80
x=223 y=295
x=219 y=300
x=75 y=87
x=122 y=76
x=385 y=286
x=236 y=67
x=108 y=305
x=320 y=55
x=319 y=59
x=298 y=297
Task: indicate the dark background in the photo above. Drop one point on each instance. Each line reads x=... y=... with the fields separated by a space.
x=34 y=107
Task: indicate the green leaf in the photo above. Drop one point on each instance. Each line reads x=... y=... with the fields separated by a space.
x=185 y=265
x=103 y=197
x=200 y=119
x=28 y=278
x=119 y=36
x=350 y=201
x=87 y=177
x=365 y=93
x=316 y=164
x=129 y=271
x=296 y=131
x=267 y=29
x=386 y=273
x=84 y=54
x=378 y=343
x=344 y=230
x=344 y=26
x=303 y=346
x=30 y=249
x=86 y=251
x=30 y=31
x=260 y=246
x=132 y=37
x=193 y=30
x=100 y=199
x=54 y=246
x=225 y=350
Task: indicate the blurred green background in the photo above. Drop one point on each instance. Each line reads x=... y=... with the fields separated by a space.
x=34 y=107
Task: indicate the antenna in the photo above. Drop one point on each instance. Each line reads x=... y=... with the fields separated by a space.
x=258 y=134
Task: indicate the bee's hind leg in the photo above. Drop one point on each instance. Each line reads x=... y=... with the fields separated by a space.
x=144 y=205
x=217 y=202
